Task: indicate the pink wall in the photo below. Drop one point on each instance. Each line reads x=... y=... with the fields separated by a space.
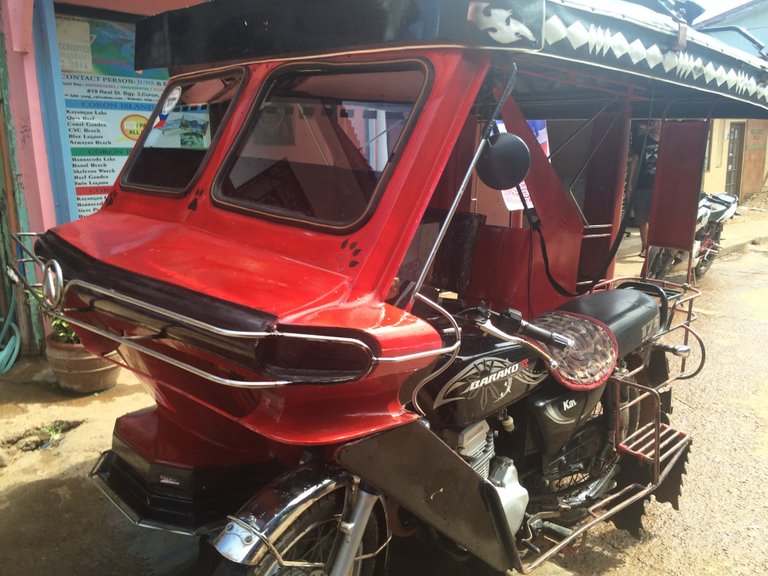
x=33 y=177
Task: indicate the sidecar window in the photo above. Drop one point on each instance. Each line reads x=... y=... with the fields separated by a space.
x=320 y=142
x=188 y=118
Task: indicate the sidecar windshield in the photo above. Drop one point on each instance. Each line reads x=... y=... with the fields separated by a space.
x=320 y=142
x=187 y=121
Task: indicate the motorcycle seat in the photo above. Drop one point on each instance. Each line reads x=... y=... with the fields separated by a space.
x=718 y=212
x=631 y=315
x=719 y=204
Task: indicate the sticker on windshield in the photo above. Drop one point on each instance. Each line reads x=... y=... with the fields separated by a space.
x=170 y=103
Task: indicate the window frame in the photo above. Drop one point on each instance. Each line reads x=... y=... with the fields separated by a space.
x=330 y=67
x=182 y=80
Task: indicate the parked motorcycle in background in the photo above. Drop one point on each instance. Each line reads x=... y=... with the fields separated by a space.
x=714 y=211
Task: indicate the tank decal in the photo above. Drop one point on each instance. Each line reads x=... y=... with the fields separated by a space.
x=490 y=379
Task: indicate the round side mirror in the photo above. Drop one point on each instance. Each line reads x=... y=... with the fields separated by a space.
x=505 y=161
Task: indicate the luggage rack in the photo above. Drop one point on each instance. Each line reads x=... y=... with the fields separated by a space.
x=656 y=442
x=611 y=505
x=643 y=443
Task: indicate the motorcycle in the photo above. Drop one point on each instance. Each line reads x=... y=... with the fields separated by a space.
x=342 y=347
x=714 y=211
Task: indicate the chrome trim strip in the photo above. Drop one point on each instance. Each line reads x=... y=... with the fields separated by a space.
x=454 y=351
x=256 y=335
x=16 y=276
x=204 y=326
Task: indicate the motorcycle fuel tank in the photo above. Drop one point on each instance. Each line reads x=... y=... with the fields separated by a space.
x=559 y=412
x=485 y=377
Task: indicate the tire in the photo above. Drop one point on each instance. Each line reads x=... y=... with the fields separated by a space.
x=661 y=264
x=571 y=487
x=311 y=538
x=706 y=263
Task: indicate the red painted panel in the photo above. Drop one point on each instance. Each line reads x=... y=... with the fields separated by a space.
x=678 y=181
x=162 y=440
x=303 y=276
x=455 y=169
x=210 y=239
x=500 y=251
x=605 y=188
x=295 y=414
x=500 y=272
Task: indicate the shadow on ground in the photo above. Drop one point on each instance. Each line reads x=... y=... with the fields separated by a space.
x=64 y=525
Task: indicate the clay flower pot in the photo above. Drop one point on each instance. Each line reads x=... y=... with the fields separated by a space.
x=78 y=370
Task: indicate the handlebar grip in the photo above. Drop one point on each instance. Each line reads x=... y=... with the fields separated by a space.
x=547 y=336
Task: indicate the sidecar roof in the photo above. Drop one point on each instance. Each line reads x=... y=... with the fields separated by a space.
x=570 y=48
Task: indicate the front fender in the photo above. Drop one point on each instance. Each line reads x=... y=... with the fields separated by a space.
x=249 y=535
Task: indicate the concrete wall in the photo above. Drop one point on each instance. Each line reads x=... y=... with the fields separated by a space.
x=31 y=179
x=755 y=166
x=714 y=170
x=754 y=158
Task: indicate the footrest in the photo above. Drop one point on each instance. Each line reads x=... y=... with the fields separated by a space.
x=643 y=443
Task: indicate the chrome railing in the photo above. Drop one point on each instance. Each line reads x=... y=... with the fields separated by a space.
x=52 y=289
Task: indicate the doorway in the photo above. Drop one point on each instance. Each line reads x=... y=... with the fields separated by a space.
x=734 y=162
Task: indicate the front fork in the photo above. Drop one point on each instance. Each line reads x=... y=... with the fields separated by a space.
x=353 y=530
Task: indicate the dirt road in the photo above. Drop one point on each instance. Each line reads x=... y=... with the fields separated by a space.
x=52 y=520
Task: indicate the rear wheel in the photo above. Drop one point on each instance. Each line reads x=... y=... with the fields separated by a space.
x=311 y=539
x=588 y=462
x=661 y=263
x=710 y=253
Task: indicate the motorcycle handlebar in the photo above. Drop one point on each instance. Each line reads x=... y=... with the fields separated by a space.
x=487 y=326
x=511 y=321
x=548 y=337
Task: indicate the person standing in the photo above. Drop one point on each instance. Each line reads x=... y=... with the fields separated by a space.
x=642 y=173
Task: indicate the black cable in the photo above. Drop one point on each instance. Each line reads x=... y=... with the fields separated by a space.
x=535 y=225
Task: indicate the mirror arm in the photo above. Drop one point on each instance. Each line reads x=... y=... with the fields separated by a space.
x=502 y=100
x=464 y=183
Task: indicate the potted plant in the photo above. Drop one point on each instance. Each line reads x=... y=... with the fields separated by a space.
x=75 y=368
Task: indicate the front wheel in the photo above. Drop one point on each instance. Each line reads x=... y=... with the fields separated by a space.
x=311 y=539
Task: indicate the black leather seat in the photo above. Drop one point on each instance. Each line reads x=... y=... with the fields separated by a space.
x=630 y=314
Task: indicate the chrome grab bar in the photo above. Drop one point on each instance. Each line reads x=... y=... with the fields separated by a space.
x=16 y=275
